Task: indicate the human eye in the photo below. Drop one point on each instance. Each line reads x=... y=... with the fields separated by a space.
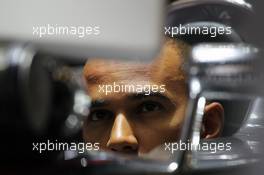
x=150 y=106
x=100 y=115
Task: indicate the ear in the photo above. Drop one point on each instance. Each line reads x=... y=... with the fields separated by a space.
x=213 y=120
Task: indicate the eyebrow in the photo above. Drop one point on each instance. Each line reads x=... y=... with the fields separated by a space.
x=139 y=96
x=99 y=103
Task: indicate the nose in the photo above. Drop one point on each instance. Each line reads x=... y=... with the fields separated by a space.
x=122 y=138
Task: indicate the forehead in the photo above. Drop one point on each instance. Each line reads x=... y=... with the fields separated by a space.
x=105 y=71
x=165 y=69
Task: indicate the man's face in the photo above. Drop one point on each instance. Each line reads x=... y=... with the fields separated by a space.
x=135 y=122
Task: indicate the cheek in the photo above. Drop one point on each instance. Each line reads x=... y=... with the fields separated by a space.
x=149 y=139
x=97 y=134
x=158 y=131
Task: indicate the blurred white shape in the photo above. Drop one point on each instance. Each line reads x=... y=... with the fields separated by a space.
x=128 y=29
x=195 y=88
x=84 y=162
x=72 y=121
x=81 y=103
x=68 y=154
x=172 y=167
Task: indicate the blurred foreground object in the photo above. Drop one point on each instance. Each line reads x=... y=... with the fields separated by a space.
x=40 y=98
x=120 y=28
x=226 y=71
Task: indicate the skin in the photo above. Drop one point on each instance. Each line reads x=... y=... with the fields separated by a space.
x=135 y=123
